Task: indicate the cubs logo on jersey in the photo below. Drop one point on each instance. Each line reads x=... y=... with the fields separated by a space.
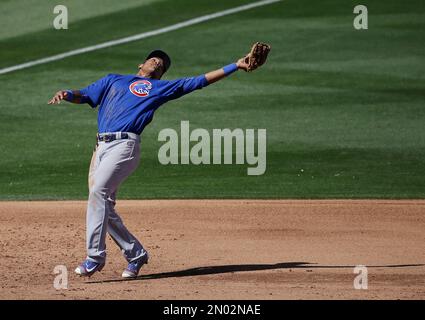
x=140 y=88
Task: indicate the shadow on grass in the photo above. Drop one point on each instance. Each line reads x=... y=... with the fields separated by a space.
x=200 y=271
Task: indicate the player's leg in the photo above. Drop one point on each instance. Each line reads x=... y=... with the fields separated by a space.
x=93 y=165
x=117 y=160
x=131 y=248
x=89 y=267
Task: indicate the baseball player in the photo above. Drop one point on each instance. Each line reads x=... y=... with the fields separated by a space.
x=127 y=104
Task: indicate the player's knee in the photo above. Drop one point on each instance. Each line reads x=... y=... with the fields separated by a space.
x=99 y=191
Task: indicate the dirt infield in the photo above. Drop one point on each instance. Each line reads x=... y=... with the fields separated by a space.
x=214 y=249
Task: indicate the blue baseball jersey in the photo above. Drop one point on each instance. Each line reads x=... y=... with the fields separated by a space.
x=127 y=102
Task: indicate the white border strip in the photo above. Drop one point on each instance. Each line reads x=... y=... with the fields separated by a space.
x=137 y=36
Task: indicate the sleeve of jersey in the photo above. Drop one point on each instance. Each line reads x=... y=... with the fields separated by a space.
x=177 y=88
x=93 y=93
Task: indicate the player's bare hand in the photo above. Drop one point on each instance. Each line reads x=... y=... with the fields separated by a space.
x=58 y=97
x=242 y=64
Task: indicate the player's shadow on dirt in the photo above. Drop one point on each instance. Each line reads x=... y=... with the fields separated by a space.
x=200 y=271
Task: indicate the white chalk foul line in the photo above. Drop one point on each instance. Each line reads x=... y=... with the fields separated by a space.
x=137 y=36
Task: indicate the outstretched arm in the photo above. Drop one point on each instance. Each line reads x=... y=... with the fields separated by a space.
x=219 y=74
x=68 y=95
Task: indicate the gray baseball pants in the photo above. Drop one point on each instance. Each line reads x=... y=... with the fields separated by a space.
x=111 y=164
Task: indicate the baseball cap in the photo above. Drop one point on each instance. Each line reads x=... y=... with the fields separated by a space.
x=160 y=54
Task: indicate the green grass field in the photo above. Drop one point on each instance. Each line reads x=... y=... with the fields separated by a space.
x=344 y=109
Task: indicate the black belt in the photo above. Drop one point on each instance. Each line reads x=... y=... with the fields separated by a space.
x=111 y=137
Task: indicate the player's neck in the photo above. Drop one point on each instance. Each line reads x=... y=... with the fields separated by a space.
x=144 y=75
x=147 y=75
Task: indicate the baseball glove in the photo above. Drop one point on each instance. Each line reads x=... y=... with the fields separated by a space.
x=258 y=55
